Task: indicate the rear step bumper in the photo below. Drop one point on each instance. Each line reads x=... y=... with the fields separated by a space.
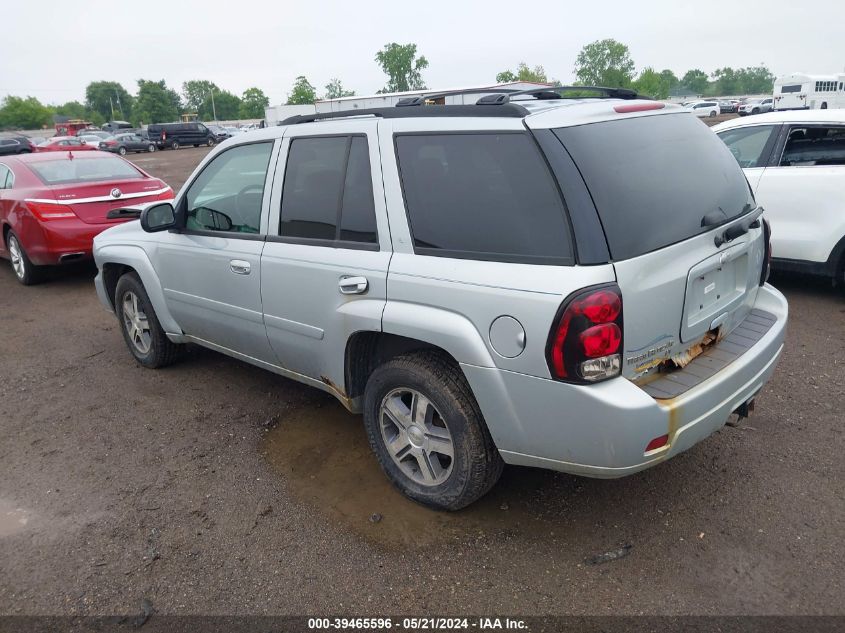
x=602 y=430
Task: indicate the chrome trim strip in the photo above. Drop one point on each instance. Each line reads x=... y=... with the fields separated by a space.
x=126 y=196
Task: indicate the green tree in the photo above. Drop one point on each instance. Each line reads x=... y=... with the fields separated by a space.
x=196 y=91
x=73 y=110
x=226 y=105
x=253 y=104
x=755 y=80
x=523 y=73
x=670 y=78
x=402 y=67
x=303 y=92
x=335 y=90
x=652 y=84
x=102 y=96
x=156 y=103
x=696 y=81
x=605 y=63
x=727 y=82
x=27 y=114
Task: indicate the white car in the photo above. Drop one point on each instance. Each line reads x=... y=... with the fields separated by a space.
x=704 y=108
x=759 y=106
x=795 y=163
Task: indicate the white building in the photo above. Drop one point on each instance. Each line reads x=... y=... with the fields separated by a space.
x=279 y=113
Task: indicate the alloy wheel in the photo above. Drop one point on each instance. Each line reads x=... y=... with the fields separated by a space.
x=416 y=436
x=16 y=255
x=136 y=323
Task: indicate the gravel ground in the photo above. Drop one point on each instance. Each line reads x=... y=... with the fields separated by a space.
x=213 y=487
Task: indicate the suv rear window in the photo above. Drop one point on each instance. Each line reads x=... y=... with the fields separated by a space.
x=653 y=179
x=84 y=169
x=483 y=196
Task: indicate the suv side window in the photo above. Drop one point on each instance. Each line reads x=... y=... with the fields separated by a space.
x=750 y=145
x=814 y=146
x=486 y=196
x=328 y=191
x=227 y=195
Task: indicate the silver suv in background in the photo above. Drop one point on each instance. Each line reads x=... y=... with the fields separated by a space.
x=574 y=284
x=758 y=106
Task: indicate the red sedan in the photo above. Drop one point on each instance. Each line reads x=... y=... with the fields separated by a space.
x=64 y=144
x=53 y=204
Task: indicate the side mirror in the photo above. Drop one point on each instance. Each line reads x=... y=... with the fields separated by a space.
x=158 y=217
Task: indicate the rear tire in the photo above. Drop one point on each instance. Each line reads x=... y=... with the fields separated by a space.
x=139 y=324
x=25 y=271
x=416 y=406
x=174 y=144
x=824 y=106
x=151 y=148
x=210 y=142
x=121 y=151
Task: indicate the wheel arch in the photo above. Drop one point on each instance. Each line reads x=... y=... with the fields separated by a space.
x=116 y=260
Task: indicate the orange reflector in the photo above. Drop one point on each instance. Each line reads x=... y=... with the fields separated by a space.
x=657 y=442
x=639 y=107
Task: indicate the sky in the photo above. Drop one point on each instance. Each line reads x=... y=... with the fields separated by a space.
x=55 y=48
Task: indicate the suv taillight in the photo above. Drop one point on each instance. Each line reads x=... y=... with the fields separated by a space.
x=767 y=252
x=585 y=342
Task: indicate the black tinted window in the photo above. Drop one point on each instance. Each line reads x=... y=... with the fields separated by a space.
x=814 y=146
x=358 y=216
x=328 y=180
x=485 y=196
x=654 y=178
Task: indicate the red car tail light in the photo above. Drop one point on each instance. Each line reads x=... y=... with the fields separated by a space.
x=165 y=195
x=48 y=211
x=586 y=337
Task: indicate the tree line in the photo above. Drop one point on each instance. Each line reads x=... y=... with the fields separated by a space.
x=601 y=63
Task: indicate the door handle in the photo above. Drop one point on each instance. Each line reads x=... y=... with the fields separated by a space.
x=353 y=285
x=239 y=267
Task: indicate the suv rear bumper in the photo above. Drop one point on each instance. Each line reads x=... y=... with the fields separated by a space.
x=602 y=430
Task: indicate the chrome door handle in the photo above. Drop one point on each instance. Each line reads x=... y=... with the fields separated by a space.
x=239 y=267
x=353 y=285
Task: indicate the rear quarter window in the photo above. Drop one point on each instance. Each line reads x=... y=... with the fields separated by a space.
x=653 y=179
x=486 y=196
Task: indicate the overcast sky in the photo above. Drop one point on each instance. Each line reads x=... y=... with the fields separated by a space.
x=53 y=49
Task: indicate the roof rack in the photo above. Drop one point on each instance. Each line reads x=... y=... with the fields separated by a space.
x=554 y=92
x=507 y=110
x=422 y=99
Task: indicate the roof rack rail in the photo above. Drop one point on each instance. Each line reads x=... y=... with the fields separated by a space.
x=554 y=92
x=507 y=110
x=422 y=99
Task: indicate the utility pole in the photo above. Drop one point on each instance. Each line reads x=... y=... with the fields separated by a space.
x=111 y=103
x=119 y=107
x=213 y=109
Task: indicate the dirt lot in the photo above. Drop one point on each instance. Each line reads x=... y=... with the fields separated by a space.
x=214 y=487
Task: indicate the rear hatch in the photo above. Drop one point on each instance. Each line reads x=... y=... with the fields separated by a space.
x=682 y=229
x=94 y=184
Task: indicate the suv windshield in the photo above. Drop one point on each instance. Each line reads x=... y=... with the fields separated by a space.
x=654 y=178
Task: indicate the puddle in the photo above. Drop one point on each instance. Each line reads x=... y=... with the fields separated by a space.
x=323 y=453
x=12 y=519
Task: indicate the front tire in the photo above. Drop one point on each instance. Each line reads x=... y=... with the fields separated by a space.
x=121 y=151
x=25 y=271
x=428 y=434
x=174 y=145
x=755 y=111
x=210 y=142
x=712 y=113
x=139 y=324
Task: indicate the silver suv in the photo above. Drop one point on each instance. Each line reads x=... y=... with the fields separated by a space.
x=569 y=283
